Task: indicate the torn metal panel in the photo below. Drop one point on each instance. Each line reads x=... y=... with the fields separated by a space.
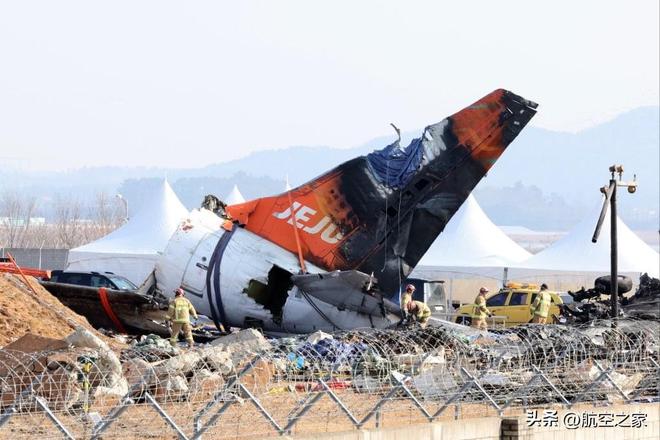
x=345 y=290
x=215 y=205
x=137 y=312
x=395 y=166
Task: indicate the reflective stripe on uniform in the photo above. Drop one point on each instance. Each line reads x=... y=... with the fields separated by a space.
x=179 y=310
x=541 y=305
x=405 y=299
x=423 y=311
x=480 y=311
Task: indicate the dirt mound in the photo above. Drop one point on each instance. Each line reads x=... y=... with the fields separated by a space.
x=42 y=314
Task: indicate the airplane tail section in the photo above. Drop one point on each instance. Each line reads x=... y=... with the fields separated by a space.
x=381 y=212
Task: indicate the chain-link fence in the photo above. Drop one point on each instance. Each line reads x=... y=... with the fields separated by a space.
x=253 y=388
x=51 y=259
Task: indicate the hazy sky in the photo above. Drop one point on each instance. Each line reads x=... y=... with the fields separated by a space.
x=185 y=84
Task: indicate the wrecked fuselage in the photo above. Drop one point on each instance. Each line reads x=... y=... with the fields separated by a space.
x=250 y=280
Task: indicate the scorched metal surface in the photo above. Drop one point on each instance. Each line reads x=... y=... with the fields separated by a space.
x=380 y=213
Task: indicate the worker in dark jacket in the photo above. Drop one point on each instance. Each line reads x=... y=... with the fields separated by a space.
x=179 y=314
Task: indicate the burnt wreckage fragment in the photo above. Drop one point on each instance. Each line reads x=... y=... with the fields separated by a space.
x=407 y=196
x=588 y=305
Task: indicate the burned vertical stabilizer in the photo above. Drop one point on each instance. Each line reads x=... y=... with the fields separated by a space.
x=380 y=213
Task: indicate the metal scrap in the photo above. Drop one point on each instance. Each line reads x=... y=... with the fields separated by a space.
x=589 y=304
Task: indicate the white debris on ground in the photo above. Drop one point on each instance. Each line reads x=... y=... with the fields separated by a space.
x=248 y=341
x=108 y=364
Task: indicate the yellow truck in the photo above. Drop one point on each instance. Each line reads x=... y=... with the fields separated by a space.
x=512 y=303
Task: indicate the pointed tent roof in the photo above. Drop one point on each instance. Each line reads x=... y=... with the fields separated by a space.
x=576 y=252
x=471 y=239
x=234 y=197
x=132 y=249
x=148 y=230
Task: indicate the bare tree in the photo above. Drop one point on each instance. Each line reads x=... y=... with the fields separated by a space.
x=105 y=214
x=74 y=224
x=16 y=212
x=39 y=235
x=69 y=223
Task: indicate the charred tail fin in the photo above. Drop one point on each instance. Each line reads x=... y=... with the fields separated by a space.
x=381 y=212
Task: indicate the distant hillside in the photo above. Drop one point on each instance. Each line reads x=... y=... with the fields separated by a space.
x=545 y=180
x=575 y=165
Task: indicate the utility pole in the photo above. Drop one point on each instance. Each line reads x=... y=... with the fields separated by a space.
x=125 y=203
x=610 y=198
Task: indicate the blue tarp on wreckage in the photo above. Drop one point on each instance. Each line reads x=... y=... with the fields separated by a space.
x=395 y=166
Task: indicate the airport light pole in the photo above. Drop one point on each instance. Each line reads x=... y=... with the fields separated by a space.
x=125 y=202
x=610 y=198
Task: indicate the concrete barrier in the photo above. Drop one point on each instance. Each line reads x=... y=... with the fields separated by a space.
x=484 y=428
x=613 y=422
x=553 y=424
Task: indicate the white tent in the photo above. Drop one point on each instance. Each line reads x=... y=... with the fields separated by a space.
x=576 y=252
x=132 y=250
x=234 y=197
x=471 y=239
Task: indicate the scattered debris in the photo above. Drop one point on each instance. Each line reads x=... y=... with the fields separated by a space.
x=318 y=336
x=82 y=375
x=106 y=363
x=589 y=305
x=87 y=371
x=151 y=348
x=645 y=303
x=242 y=343
x=435 y=383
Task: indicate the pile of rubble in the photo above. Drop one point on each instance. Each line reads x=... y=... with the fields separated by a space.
x=83 y=373
x=75 y=369
x=81 y=377
x=645 y=303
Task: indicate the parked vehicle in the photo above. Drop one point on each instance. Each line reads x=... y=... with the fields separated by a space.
x=92 y=279
x=512 y=302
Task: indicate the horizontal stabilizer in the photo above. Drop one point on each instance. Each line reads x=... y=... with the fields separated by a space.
x=346 y=290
